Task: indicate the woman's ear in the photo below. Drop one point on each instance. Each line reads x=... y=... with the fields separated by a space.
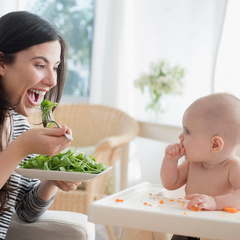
x=2 y=64
x=217 y=144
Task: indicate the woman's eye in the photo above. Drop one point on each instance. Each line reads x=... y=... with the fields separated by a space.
x=41 y=66
x=56 y=69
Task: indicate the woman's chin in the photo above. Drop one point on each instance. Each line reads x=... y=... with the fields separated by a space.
x=25 y=111
x=30 y=112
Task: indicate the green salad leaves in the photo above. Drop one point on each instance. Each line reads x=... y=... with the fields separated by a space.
x=46 y=109
x=65 y=162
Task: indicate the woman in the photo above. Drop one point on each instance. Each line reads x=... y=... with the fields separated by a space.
x=32 y=65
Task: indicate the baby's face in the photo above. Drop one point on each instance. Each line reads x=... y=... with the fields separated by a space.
x=194 y=138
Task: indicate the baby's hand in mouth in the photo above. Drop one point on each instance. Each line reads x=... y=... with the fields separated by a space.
x=182 y=149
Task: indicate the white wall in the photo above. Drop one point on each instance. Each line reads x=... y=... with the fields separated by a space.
x=8 y=6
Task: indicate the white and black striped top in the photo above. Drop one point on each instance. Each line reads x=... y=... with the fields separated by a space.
x=23 y=198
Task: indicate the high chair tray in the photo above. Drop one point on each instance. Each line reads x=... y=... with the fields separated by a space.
x=150 y=207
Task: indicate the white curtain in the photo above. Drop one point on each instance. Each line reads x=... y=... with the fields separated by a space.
x=129 y=35
x=227 y=75
x=109 y=81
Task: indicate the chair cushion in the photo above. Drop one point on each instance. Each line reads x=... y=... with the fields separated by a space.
x=59 y=225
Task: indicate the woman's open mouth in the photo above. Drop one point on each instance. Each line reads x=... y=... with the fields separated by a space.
x=34 y=95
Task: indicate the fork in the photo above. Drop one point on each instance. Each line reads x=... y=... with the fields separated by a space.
x=50 y=119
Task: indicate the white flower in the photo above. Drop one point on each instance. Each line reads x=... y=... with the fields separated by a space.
x=161 y=79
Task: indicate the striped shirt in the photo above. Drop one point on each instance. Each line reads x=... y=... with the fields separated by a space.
x=23 y=198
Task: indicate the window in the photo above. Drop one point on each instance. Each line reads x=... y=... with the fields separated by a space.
x=74 y=20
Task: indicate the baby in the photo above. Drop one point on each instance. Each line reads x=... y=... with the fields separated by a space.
x=210 y=170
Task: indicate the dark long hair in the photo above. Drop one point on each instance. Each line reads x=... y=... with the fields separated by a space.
x=18 y=31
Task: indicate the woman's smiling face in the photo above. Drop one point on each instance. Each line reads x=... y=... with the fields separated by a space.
x=31 y=75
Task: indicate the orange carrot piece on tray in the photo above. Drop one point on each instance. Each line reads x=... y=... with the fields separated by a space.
x=119 y=200
x=195 y=209
x=147 y=204
x=230 y=210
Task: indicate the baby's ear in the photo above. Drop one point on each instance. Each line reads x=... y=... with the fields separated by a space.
x=217 y=144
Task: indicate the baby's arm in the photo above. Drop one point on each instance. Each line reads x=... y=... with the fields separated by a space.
x=174 y=176
x=231 y=199
x=205 y=202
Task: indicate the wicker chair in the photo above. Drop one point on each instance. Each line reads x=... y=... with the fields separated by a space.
x=105 y=128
